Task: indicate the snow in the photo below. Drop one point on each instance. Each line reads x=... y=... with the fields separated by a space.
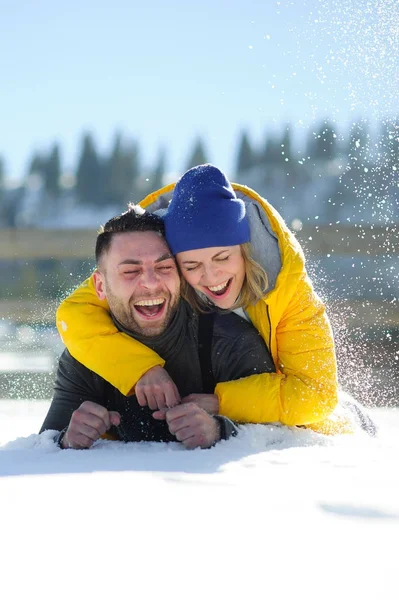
x=276 y=512
x=32 y=362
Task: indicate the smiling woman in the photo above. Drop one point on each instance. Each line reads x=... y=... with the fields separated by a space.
x=218 y=273
x=243 y=281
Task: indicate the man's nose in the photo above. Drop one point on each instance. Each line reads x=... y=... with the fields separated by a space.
x=149 y=278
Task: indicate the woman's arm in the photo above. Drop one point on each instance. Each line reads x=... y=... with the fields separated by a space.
x=87 y=330
x=305 y=389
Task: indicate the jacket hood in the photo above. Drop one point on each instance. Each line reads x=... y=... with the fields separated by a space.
x=274 y=246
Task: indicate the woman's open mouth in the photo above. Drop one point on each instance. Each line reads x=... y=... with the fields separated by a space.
x=153 y=308
x=219 y=291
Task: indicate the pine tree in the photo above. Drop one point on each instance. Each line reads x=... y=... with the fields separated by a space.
x=358 y=146
x=395 y=147
x=158 y=174
x=89 y=174
x=37 y=165
x=286 y=145
x=388 y=143
x=278 y=150
x=325 y=146
x=135 y=187
x=7 y=210
x=271 y=155
x=246 y=156
x=198 y=155
x=117 y=184
x=2 y=194
x=52 y=172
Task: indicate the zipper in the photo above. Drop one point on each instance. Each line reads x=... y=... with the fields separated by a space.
x=270 y=328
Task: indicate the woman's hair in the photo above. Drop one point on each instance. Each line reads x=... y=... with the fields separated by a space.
x=253 y=288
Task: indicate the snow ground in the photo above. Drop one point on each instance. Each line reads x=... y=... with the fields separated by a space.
x=276 y=512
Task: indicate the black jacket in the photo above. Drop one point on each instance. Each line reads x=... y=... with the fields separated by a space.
x=235 y=350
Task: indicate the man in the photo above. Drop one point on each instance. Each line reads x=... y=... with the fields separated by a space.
x=137 y=275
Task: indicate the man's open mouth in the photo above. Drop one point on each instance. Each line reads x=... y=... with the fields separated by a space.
x=151 y=308
x=220 y=290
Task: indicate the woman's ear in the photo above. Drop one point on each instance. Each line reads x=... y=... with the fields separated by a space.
x=99 y=284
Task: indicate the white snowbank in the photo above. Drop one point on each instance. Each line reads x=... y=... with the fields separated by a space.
x=276 y=512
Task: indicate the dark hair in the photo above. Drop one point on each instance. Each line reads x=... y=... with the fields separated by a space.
x=134 y=219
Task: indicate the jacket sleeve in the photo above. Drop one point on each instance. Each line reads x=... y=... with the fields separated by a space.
x=242 y=355
x=87 y=330
x=305 y=389
x=73 y=385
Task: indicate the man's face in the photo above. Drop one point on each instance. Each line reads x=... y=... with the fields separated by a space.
x=139 y=278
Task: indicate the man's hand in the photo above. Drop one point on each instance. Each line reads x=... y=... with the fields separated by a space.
x=208 y=402
x=157 y=390
x=192 y=426
x=87 y=424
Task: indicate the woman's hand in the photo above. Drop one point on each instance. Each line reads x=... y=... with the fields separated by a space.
x=157 y=390
x=208 y=402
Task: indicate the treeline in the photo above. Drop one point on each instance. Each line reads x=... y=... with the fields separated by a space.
x=360 y=146
x=120 y=176
x=99 y=180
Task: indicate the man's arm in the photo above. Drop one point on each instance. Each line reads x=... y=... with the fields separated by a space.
x=238 y=350
x=73 y=385
x=305 y=389
x=78 y=406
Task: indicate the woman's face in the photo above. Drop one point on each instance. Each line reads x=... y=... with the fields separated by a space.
x=218 y=273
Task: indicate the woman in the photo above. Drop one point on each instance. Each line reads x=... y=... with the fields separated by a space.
x=235 y=253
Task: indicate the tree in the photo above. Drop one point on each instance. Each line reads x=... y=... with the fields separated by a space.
x=89 y=174
x=158 y=174
x=388 y=143
x=271 y=154
x=132 y=170
x=36 y=165
x=358 y=146
x=8 y=203
x=395 y=144
x=278 y=150
x=113 y=173
x=198 y=155
x=325 y=145
x=52 y=172
x=118 y=175
x=246 y=156
x=2 y=195
x=286 y=145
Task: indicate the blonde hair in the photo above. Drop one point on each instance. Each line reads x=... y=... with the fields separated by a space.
x=253 y=288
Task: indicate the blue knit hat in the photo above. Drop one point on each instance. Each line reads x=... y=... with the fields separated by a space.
x=205 y=212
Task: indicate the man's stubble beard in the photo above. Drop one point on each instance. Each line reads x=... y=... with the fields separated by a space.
x=127 y=319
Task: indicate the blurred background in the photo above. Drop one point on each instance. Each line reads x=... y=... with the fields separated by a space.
x=103 y=102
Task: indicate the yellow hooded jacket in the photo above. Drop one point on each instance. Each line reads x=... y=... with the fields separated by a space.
x=291 y=319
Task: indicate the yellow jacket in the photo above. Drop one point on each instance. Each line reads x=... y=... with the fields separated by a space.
x=291 y=319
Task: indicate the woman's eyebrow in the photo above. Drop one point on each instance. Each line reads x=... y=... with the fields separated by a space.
x=195 y=262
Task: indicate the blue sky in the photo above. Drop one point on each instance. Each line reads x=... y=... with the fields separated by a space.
x=166 y=71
